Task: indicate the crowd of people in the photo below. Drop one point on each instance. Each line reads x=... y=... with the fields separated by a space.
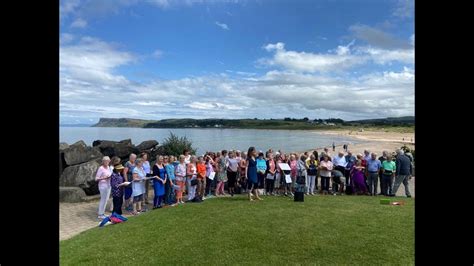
x=254 y=173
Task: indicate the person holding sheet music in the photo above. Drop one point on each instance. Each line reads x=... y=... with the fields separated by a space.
x=169 y=163
x=139 y=176
x=232 y=172
x=251 y=170
x=180 y=174
x=270 y=175
x=103 y=177
x=261 y=170
x=159 y=180
x=325 y=168
x=210 y=174
x=243 y=172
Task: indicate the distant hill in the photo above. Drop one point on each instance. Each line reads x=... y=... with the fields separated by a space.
x=122 y=122
x=403 y=120
x=287 y=123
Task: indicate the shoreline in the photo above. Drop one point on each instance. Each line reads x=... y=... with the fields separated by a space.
x=375 y=141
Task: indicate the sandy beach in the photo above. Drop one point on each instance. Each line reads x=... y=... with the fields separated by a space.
x=376 y=141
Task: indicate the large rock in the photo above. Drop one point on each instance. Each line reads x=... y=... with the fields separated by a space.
x=126 y=141
x=147 y=145
x=81 y=175
x=79 y=143
x=62 y=163
x=63 y=146
x=79 y=153
x=71 y=194
x=121 y=149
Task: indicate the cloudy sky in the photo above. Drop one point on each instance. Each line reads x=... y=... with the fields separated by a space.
x=156 y=59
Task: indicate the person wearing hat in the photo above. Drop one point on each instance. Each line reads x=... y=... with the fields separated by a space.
x=103 y=177
x=117 y=183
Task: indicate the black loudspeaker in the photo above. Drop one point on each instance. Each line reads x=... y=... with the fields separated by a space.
x=349 y=190
x=299 y=196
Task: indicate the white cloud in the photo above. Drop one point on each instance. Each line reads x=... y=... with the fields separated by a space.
x=404 y=9
x=79 y=23
x=92 y=61
x=222 y=25
x=412 y=39
x=90 y=88
x=383 y=56
x=66 y=38
x=157 y=54
x=310 y=62
x=213 y=106
x=67 y=7
x=151 y=103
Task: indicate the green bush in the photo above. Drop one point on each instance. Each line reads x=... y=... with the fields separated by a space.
x=174 y=145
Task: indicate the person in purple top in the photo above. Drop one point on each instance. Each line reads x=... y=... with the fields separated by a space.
x=357 y=178
x=117 y=181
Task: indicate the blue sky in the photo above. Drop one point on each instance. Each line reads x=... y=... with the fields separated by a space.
x=235 y=59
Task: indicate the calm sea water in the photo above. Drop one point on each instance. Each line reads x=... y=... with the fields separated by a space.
x=212 y=139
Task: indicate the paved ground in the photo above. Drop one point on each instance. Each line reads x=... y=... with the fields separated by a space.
x=75 y=218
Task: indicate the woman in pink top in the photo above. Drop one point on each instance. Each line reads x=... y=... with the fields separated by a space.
x=103 y=176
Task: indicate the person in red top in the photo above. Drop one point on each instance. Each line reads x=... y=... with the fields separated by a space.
x=201 y=177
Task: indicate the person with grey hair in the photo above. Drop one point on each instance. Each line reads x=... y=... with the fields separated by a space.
x=128 y=175
x=367 y=155
x=389 y=168
x=403 y=173
x=382 y=159
x=340 y=164
x=103 y=177
x=138 y=186
x=350 y=159
x=373 y=169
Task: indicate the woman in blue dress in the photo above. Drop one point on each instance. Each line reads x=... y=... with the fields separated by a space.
x=252 y=173
x=159 y=181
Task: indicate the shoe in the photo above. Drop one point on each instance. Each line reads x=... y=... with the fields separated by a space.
x=408 y=196
x=101 y=217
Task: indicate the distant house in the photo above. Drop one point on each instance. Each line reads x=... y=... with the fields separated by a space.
x=216 y=125
x=331 y=124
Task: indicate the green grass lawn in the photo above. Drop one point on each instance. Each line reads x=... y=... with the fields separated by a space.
x=276 y=231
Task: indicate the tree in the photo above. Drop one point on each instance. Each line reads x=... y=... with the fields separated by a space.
x=174 y=145
x=305 y=119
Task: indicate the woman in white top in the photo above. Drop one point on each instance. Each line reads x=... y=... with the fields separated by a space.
x=191 y=173
x=138 y=186
x=232 y=172
x=180 y=174
x=103 y=177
